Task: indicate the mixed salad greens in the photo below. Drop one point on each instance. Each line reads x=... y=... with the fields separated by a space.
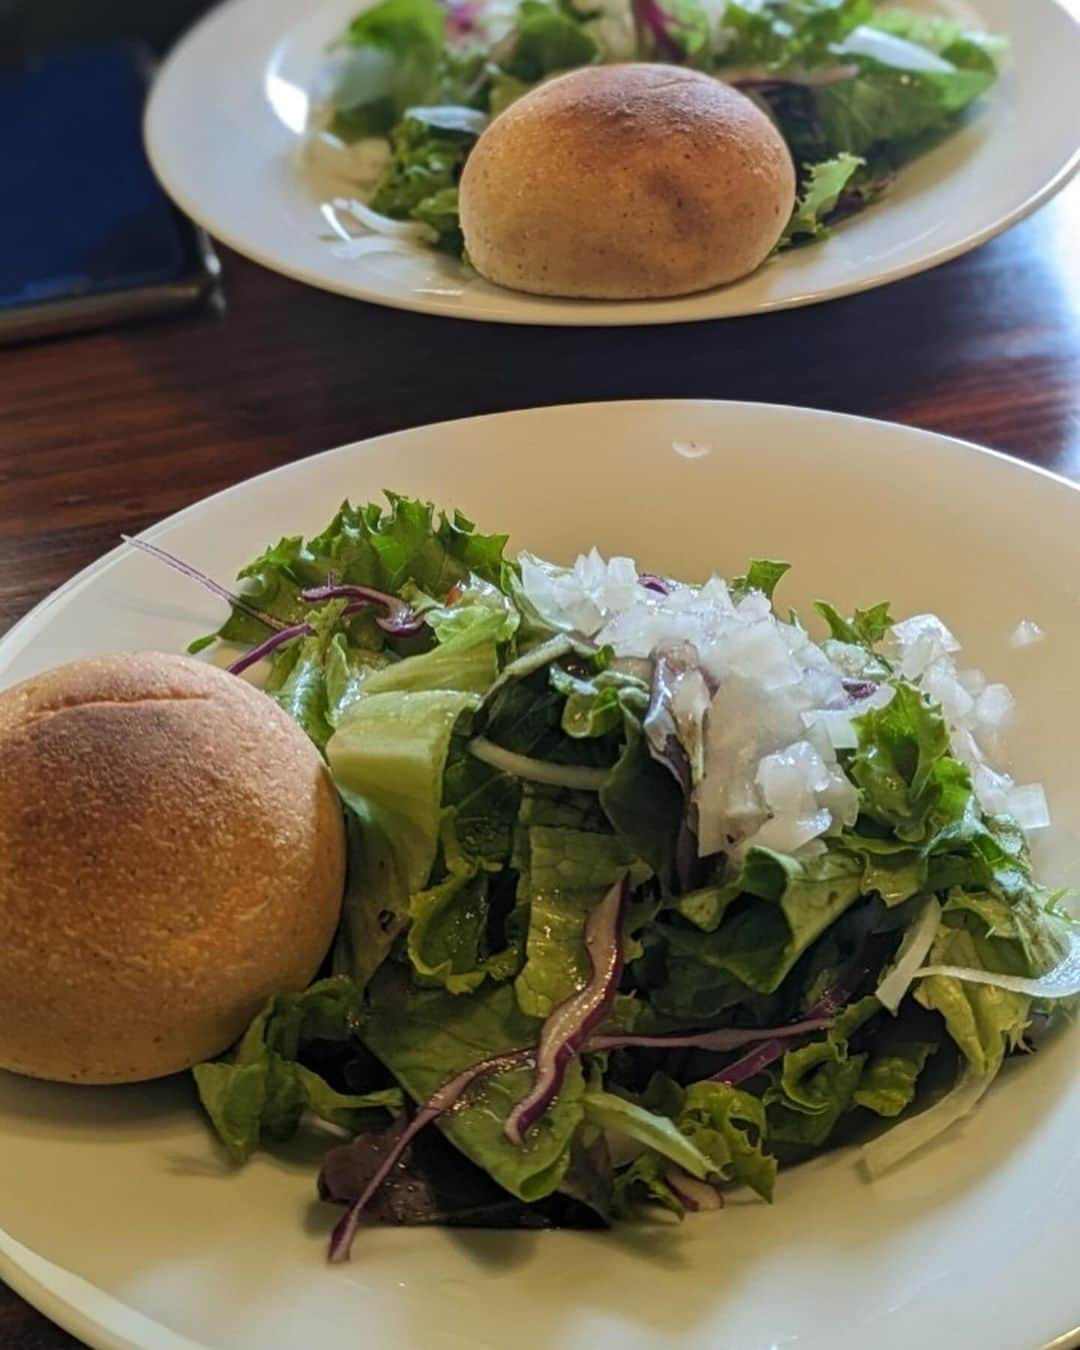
x=649 y=891
x=856 y=88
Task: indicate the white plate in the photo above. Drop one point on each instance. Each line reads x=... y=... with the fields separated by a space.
x=224 y=130
x=972 y=1244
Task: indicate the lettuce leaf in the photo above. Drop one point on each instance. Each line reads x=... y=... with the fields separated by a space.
x=882 y=106
x=723 y=1125
x=368 y=545
x=888 y=1081
x=817 y=1083
x=427 y=1038
x=908 y=781
x=822 y=191
x=982 y=1019
x=787 y=32
x=547 y=40
x=656 y=1132
x=403 y=41
x=387 y=761
x=569 y=871
x=447 y=942
x=796 y=902
x=967 y=48
x=262 y=1090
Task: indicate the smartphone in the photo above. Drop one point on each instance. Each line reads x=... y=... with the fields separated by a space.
x=87 y=237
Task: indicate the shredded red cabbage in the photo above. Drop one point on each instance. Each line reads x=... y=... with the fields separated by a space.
x=857 y=690
x=693 y=1194
x=728 y=1038
x=275 y=640
x=651 y=19
x=566 y=1031
x=404 y=1131
x=769 y=1051
x=399 y=618
x=652 y=582
x=186 y=570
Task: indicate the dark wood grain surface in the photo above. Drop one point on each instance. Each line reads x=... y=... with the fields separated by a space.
x=112 y=431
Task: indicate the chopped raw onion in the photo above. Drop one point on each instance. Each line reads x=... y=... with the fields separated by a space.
x=917 y=941
x=1061 y=982
x=404 y=1131
x=1026 y=633
x=902 y=1140
x=414 y=230
x=1028 y=806
x=580 y=776
x=566 y=1031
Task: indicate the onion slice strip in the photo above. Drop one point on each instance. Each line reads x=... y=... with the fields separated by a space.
x=405 y=1130
x=910 y=955
x=582 y=777
x=566 y=1032
x=1061 y=982
x=880 y=1155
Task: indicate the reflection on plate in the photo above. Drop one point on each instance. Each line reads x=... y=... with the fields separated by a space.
x=123 y=1188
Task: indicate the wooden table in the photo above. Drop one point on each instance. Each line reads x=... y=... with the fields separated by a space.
x=112 y=431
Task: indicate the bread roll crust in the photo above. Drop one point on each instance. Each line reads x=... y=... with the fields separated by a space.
x=171 y=853
x=626 y=182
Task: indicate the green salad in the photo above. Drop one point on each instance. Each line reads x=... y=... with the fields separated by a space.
x=856 y=88
x=652 y=889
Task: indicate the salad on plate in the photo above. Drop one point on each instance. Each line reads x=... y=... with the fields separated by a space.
x=856 y=88
x=655 y=887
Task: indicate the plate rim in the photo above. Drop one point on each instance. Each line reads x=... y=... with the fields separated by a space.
x=957 y=444
x=597 y=314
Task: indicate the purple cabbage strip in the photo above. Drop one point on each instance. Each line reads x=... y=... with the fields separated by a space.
x=728 y=1038
x=767 y=1053
x=651 y=18
x=857 y=690
x=275 y=640
x=405 y=1130
x=567 y=1030
x=399 y=619
x=193 y=573
x=652 y=582
x=693 y=1194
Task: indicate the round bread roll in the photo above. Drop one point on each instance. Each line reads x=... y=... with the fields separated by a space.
x=171 y=853
x=626 y=182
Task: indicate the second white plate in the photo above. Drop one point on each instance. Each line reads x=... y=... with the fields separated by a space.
x=225 y=122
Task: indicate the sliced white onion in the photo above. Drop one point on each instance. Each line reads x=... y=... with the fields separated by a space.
x=882 y=1154
x=910 y=955
x=1028 y=806
x=1026 y=633
x=581 y=777
x=1061 y=982
x=379 y=224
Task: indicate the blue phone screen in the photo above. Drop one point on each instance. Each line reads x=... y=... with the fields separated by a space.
x=80 y=210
